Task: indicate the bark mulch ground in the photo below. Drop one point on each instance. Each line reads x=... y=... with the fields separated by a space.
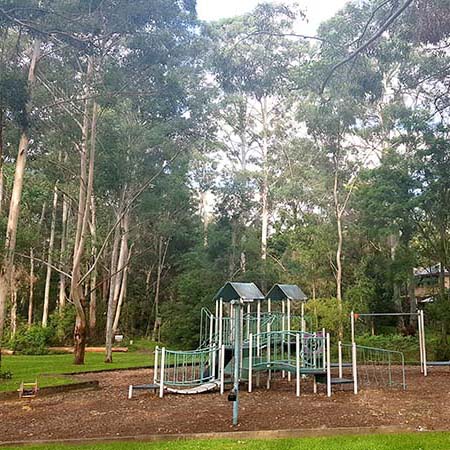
x=108 y=413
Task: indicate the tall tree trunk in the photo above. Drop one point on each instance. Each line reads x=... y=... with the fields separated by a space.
x=2 y=187
x=62 y=251
x=43 y=211
x=162 y=252
x=86 y=190
x=13 y=308
x=265 y=181
x=93 y=277
x=123 y=293
x=116 y=282
x=31 y=292
x=340 y=237
x=14 y=207
x=110 y=310
x=204 y=214
x=393 y=241
x=412 y=298
x=48 y=277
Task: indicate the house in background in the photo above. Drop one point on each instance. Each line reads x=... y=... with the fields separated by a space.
x=427 y=282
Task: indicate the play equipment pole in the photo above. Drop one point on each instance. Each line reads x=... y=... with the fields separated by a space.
x=161 y=378
x=269 y=375
x=419 y=329
x=248 y=319
x=283 y=328
x=328 y=366
x=250 y=361
x=303 y=327
x=222 y=369
x=352 y=324
x=216 y=321
x=211 y=326
x=155 y=368
x=424 y=349
x=258 y=327
x=340 y=358
x=354 y=369
x=220 y=325
x=288 y=306
x=237 y=359
x=297 y=361
x=324 y=347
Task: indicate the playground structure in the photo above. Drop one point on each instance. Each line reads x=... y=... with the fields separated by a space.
x=250 y=337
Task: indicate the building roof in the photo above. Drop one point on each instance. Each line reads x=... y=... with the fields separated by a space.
x=237 y=291
x=281 y=292
x=429 y=271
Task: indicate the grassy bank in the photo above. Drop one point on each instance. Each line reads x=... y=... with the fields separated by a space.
x=48 y=369
x=416 y=441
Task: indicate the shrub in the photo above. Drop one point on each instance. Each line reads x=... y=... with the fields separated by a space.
x=62 y=324
x=5 y=375
x=33 y=340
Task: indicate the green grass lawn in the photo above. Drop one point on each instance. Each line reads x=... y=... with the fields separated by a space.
x=48 y=368
x=416 y=441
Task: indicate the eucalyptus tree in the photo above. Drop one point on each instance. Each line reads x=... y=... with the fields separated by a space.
x=338 y=117
x=252 y=61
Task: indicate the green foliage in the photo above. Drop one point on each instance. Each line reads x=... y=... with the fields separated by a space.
x=61 y=324
x=32 y=340
x=325 y=313
x=5 y=375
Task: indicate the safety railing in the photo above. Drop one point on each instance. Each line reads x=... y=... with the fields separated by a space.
x=185 y=368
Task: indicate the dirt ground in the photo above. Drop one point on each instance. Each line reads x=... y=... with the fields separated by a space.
x=108 y=413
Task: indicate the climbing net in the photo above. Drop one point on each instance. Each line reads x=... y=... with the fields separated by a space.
x=377 y=367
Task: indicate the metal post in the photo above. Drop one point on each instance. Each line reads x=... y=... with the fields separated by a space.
x=215 y=320
x=155 y=366
x=248 y=320
x=328 y=366
x=303 y=325
x=214 y=357
x=297 y=360
x=237 y=359
x=250 y=357
x=352 y=322
x=222 y=369
x=220 y=326
x=161 y=379
x=268 y=344
x=211 y=327
x=258 y=327
x=289 y=335
x=324 y=349
x=354 y=369
x=425 y=369
x=340 y=358
x=283 y=329
x=419 y=329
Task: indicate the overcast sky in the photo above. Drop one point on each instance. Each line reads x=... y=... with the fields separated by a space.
x=316 y=10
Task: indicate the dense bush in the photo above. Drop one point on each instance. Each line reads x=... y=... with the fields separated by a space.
x=62 y=324
x=5 y=375
x=324 y=313
x=32 y=340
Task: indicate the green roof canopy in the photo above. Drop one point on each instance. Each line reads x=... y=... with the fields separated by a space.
x=237 y=291
x=281 y=292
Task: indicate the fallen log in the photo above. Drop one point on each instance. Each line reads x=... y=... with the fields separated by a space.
x=88 y=349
